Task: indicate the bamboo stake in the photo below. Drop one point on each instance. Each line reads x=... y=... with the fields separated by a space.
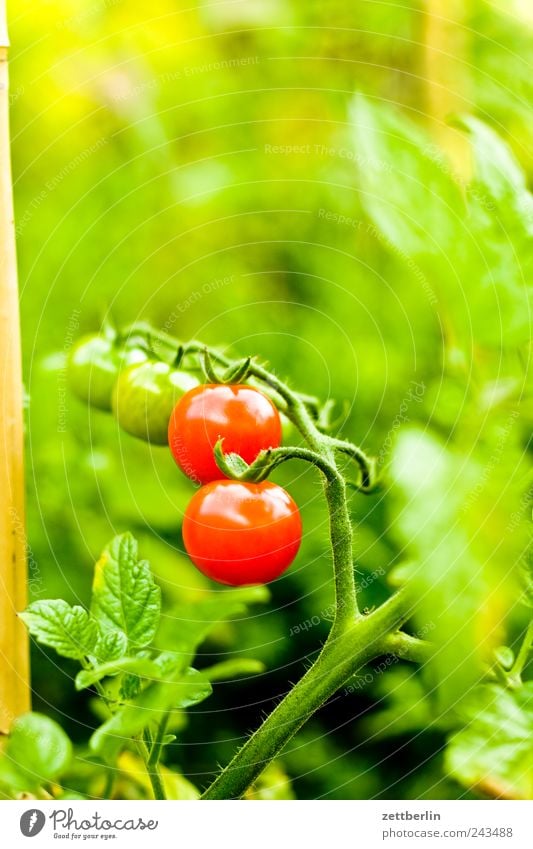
x=14 y=656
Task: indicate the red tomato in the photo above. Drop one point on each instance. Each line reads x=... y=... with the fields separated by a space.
x=246 y=419
x=242 y=533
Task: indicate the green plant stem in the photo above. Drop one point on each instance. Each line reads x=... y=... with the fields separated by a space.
x=340 y=658
x=157 y=745
x=354 y=639
x=515 y=673
x=109 y=784
x=153 y=771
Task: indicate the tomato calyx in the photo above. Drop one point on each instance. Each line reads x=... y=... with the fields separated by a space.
x=235 y=467
x=235 y=373
x=240 y=414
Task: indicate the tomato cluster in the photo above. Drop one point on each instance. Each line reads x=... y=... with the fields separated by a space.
x=234 y=532
x=140 y=391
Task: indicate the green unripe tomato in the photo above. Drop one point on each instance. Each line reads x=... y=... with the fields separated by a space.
x=93 y=367
x=144 y=397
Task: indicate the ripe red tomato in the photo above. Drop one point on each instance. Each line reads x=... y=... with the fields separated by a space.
x=242 y=533
x=246 y=419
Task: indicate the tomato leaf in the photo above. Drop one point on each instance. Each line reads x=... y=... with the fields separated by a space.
x=185 y=689
x=493 y=751
x=396 y=154
x=71 y=631
x=430 y=491
x=37 y=751
x=496 y=167
x=111 y=645
x=125 y=596
x=471 y=240
x=137 y=665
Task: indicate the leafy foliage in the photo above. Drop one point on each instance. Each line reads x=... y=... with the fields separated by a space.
x=142 y=687
x=37 y=751
x=130 y=202
x=125 y=596
x=493 y=751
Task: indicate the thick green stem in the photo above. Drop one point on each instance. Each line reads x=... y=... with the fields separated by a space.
x=342 y=551
x=340 y=658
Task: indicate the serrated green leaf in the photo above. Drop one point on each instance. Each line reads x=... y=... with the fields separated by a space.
x=473 y=243
x=111 y=645
x=394 y=152
x=136 y=665
x=148 y=707
x=71 y=631
x=130 y=686
x=494 y=751
x=125 y=596
x=37 y=751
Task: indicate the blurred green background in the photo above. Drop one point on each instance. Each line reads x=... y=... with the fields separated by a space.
x=204 y=166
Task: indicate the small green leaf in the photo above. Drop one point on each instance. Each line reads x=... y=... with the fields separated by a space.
x=169 y=738
x=69 y=630
x=505 y=656
x=125 y=596
x=136 y=665
x=236 y=668
x=37 y=751
x=493 y=752
x=496 y=166
x=130 y=686
x=111 y=645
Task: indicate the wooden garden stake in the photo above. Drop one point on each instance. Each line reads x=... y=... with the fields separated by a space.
x=14 y=663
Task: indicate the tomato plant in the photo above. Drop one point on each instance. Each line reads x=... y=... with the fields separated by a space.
x=242 y=416
x=242 y=533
